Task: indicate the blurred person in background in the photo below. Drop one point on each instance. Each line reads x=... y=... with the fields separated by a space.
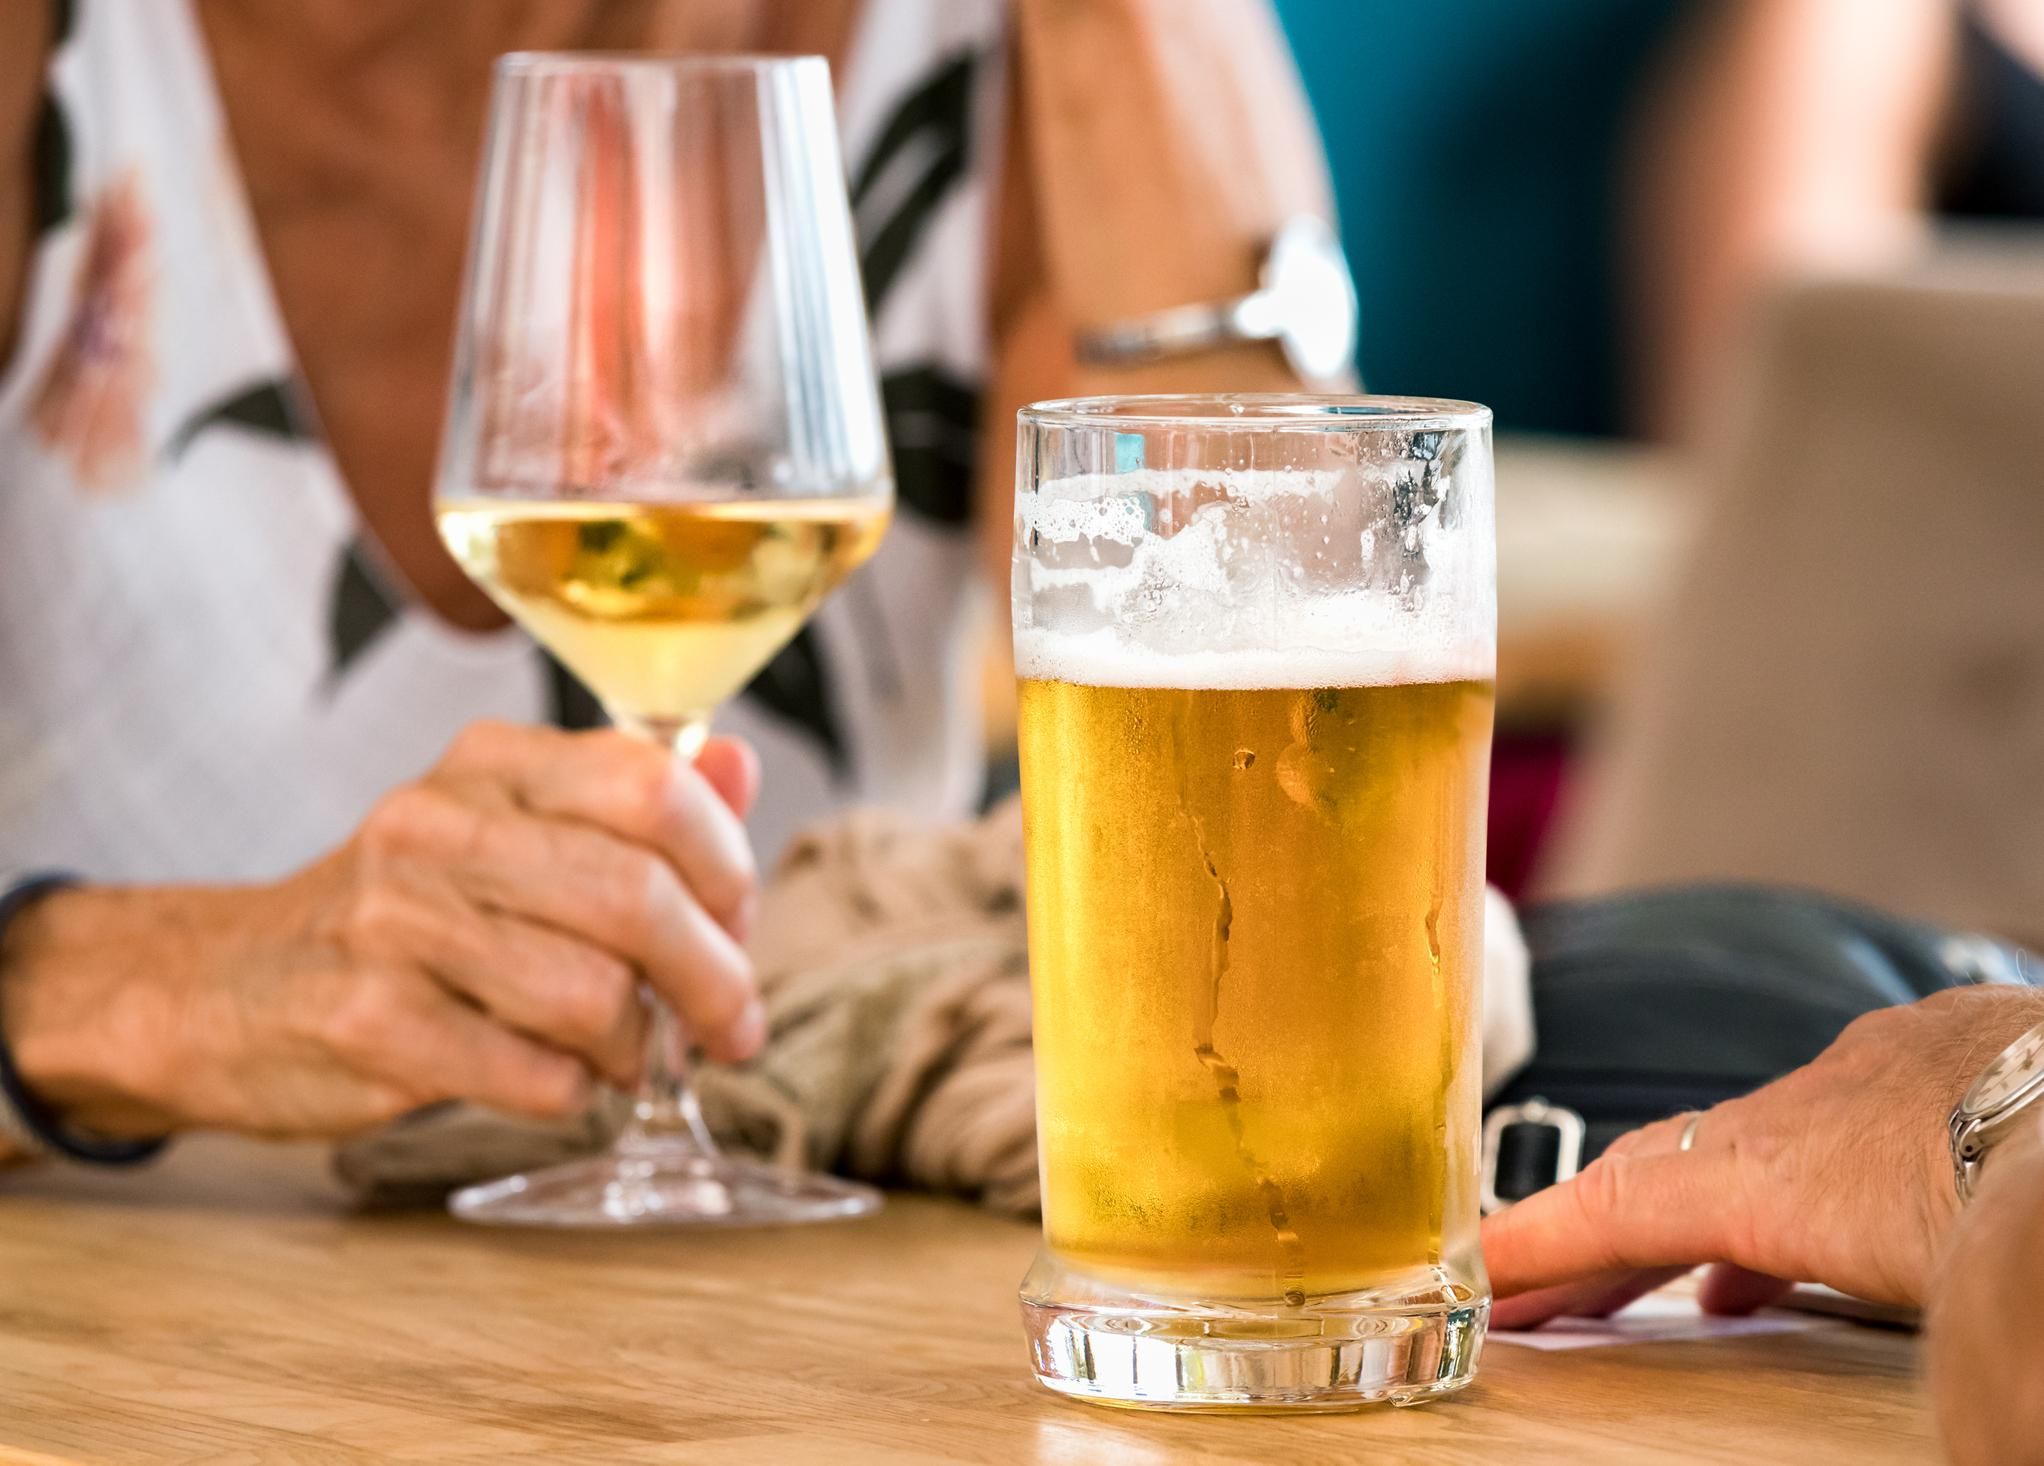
x=1795 y=137
x=232 y=647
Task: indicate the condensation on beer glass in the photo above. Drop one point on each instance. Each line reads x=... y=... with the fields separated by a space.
x=1256 y=642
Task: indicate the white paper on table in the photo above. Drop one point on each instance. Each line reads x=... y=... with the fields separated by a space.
x=1658 y=1318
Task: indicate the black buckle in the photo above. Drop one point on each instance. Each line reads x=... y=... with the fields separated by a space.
x=1536 y=1113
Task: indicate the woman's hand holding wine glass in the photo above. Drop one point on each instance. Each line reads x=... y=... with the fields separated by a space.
x=482 y=936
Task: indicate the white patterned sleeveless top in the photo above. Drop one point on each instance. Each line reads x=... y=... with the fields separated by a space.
x=205 y=671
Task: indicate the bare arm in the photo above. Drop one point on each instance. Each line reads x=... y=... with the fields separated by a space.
x=1788 y=135
x=1154 y=149
x=1985 y=1355
x=24 y=47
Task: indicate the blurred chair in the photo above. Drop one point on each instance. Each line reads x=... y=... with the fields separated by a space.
x=1846 y=690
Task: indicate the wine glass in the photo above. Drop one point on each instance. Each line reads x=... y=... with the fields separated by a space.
x=663 y=449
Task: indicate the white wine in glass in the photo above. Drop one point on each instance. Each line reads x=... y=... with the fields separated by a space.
x=663 y=610
x=663 y=450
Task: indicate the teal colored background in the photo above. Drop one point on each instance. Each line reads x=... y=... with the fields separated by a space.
x=1474 y=145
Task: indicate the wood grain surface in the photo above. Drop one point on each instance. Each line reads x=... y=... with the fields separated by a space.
x=228 y=1308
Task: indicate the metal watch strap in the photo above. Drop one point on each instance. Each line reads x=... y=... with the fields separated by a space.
x=1182 y=329
x=1967 y=1154
x=25 y=1122
x=1988 y=1110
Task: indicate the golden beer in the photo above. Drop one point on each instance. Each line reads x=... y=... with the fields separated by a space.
x=1255 y=924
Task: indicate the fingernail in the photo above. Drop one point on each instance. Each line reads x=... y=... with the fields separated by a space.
x=748 y=1035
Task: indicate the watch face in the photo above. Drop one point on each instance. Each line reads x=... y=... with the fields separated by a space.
x=2019 y=1067
x=1306 y=278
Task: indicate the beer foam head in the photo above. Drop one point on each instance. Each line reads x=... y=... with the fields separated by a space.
x=1254 y=579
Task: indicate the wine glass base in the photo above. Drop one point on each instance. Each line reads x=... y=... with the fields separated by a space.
x=682 y=1188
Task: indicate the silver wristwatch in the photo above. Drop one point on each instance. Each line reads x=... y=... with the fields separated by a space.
x=1989 y=1111
x=1305 y=301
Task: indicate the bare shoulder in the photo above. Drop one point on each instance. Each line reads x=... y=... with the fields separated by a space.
x=25 y=36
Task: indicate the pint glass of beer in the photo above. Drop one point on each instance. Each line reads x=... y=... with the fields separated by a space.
x=1256 y=641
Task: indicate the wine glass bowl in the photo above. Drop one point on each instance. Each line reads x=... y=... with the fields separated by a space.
x=663 y=610
x=663 y=450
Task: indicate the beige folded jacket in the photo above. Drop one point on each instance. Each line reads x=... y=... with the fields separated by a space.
x=892 y=961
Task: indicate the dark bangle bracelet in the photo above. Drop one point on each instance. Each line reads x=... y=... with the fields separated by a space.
x=35 y=1117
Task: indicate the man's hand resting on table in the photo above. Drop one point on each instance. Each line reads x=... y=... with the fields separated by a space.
x=480 y=937
x=1839 y=1173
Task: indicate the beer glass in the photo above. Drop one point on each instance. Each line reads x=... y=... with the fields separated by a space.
x=1256 y=641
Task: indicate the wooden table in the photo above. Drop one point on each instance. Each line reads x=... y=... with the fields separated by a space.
x=227 y=1308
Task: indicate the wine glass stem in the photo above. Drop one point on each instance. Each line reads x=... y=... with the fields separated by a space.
x=685 y=735
x=665 y=1115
